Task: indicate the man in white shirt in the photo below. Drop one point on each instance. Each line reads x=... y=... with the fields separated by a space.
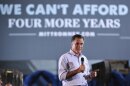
x=73 y=71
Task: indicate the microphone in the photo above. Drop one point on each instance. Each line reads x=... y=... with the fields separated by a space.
x=82 y=60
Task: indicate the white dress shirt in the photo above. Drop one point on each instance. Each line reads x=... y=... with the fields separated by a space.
x=69 y=62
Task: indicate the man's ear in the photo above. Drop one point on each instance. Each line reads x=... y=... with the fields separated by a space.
x=71 y=43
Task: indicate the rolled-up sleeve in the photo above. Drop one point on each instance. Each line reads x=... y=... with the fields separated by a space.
x=62 y=68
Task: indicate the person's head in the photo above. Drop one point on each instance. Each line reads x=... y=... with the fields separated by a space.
x=77 y=43
x=8 y=84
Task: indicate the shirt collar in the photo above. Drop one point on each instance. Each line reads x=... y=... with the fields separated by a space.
x=73 y=53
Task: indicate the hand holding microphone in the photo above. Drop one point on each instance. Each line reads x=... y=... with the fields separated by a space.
x=82 y=66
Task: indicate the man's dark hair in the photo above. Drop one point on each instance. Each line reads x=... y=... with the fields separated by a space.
x=76 y=36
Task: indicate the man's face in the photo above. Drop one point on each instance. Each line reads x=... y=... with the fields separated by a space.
x=77 y=45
